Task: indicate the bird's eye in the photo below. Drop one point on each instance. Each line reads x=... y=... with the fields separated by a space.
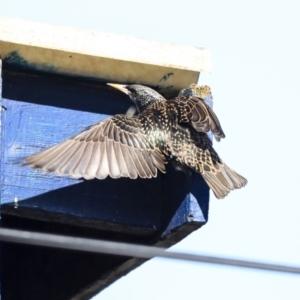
x=131 y=90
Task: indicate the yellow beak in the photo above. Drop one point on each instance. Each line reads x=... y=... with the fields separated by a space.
x=120 y=87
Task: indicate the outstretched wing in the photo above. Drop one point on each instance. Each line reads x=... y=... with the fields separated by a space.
x=201 y=116
x=194 y=149
x=115 y=147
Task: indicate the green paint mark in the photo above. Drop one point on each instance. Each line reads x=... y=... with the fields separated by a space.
x=16 y=61
x=166 y=76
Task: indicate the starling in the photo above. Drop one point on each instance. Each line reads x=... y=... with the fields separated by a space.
x=137 y=146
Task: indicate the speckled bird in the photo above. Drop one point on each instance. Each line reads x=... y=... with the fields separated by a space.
x=163 y=131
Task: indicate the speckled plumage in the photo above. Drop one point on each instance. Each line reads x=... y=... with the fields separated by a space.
x=136 y=146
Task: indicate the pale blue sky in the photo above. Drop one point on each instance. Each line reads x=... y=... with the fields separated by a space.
x=255 y=81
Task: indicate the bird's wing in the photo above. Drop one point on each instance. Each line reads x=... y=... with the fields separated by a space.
x=194 y=149
x=116 y=147
x=202 y=117
x=220 y=178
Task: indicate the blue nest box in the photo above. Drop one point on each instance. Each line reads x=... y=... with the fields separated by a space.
x=54 y=86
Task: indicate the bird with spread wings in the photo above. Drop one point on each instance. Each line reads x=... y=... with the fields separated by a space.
x=139 y=145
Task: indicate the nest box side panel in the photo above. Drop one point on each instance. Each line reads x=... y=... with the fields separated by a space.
x=43 y=111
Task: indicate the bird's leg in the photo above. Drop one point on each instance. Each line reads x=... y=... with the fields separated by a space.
x=131 y=111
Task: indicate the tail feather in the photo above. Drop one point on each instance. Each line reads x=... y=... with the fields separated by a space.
x=223 y=181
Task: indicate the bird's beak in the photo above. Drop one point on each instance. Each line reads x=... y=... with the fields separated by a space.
x=120 y=87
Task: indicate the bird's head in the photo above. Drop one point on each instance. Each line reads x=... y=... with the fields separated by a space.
x=201 y=91
x=141 y=96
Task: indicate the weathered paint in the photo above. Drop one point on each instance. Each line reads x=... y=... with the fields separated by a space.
x=100 y=56
x=15 y=61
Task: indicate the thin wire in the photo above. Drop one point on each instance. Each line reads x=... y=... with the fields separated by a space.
x=131 y=250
